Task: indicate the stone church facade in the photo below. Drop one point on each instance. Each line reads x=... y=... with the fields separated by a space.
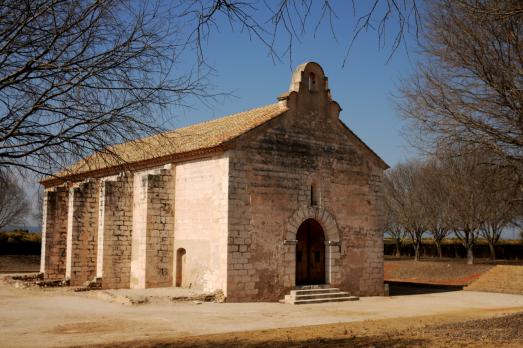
x=253 y=204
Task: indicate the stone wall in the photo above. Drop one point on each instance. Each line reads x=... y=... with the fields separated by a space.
x=273 y=171
x=54 y=233
x=116 y=222
x=159 y=271
x=201 y=222
x=153 y=229
x=82 y=233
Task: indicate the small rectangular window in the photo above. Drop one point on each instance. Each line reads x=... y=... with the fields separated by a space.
x=315 y=195
x=312 y=82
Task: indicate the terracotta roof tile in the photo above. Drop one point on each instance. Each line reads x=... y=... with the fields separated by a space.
x=200 y=136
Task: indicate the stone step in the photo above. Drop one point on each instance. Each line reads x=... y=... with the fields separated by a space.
x=313 y=287
x=319 y=296
x=314 y=291
x=325 y=300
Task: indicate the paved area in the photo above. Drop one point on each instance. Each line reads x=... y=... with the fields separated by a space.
x=56 y=317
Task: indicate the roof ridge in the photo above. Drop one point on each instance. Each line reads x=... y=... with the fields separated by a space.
x=236 y=114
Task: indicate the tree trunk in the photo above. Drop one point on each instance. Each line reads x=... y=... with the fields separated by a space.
x=398 y=247
x=470 y=255
x=438 y=247
x=492 y=248
x=416 y=251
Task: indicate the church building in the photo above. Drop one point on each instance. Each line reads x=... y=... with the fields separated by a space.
x=254 y=204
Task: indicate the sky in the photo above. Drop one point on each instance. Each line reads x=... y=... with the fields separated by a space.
x=365 y=87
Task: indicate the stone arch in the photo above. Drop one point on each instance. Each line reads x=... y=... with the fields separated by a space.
x=318 y=213
x=332 y=244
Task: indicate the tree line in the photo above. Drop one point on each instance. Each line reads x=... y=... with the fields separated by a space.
x=463 y=107
x=461 y=193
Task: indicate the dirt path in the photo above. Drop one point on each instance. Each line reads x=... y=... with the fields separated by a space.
x=57 y=317
x=494 y=329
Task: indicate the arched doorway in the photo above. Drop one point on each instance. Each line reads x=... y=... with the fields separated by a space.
x=180 y=261
x=310 y=253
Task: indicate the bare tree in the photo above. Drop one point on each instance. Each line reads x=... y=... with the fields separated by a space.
x=80 y=75
x=401 y=186
x=468 y=89
x=287 y=21
x=14 y=205
x=465 y=181
x=434 y=196
x=498 y=207
x=392 y=226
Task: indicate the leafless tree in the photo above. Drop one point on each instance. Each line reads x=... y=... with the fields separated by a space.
x=392 y=226
x=499 y=208
x=468 y=89
x=287 y=21
x=434 y=196
x=401 y=185
x=14 y=205
x=465 y=181
x=79 y=75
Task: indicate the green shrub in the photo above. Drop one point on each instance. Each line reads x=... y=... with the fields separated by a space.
x=18 y=236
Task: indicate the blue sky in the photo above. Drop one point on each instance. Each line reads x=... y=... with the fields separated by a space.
x=364 y=87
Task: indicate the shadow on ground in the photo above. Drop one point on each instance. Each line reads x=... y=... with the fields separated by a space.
x=406 y=288
x=352 y=341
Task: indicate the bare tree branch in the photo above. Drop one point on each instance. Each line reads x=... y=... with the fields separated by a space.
x=468 y=90
x=78 y=76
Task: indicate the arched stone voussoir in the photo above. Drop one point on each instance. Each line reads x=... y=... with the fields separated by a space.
x=320 y=214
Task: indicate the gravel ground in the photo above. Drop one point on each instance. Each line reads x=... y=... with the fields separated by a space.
x=503 y=331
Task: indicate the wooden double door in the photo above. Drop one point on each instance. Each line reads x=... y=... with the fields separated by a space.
x=310 y=254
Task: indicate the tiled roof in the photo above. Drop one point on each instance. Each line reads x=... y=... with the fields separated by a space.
x=201 y=136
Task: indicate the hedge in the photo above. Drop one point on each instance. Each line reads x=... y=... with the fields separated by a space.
x=20 y=242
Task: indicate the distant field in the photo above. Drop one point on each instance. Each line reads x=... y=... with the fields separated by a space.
x=452 y=272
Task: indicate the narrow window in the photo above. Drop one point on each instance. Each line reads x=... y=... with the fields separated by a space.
x=312 y=82
x=315 y=195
